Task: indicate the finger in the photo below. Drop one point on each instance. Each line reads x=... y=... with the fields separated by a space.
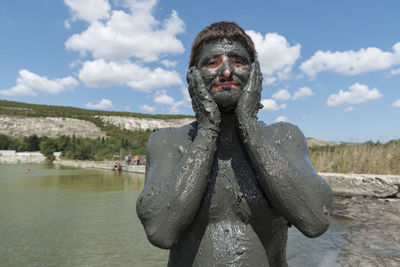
x=200 y=87
x=191 y=82
x=197 y=78
x=250 y=82
x=259 y=76
x=253 y=73
x=189 y=74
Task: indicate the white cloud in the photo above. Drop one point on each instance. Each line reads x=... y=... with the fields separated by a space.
x=282 y=95
x=124 y=35
x=100 y=73
x=29 y=83
x=281 y=118
x=88 y=10
x=271 y=105
x=103 y=104
x=275 y=54
x=358 y=93
x=396 y=103
x=303 y=93
x=162 y=98
x=75 y=63
x=186 y=97
x=395 y=72
x=348 y=109
x=147 y=108
x=168 y=63
x=351 y=62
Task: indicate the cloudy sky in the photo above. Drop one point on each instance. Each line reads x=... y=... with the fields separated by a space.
x=330 y=67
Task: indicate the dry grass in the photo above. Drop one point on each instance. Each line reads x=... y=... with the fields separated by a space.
x=369 y=157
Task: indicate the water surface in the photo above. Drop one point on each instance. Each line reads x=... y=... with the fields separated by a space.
x=61 y=216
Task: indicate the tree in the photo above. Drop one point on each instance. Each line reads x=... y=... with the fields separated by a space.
x=4 y=141
x=48 y=147
x=32 y=143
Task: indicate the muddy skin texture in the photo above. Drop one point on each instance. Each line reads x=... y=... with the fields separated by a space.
x=223 y=190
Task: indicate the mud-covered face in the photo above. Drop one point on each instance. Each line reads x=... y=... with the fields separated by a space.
x=225 y=68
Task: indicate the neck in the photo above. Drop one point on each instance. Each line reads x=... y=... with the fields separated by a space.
x=228 y=124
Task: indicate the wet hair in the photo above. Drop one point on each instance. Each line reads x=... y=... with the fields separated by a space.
x=218 y=31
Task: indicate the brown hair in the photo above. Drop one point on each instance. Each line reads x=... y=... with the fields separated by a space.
x=221 y=30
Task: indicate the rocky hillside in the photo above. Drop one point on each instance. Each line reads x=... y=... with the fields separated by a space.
x=319 y=142
x=21 y=119
x=20 y=126
x=131 y=123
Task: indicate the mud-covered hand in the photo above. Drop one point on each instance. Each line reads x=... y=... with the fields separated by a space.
x=204 y=106
x=249 y=101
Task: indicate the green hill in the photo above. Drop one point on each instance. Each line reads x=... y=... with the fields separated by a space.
x=118 y=140
x=34 y=110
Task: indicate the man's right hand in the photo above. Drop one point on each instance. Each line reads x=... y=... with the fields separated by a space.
x=205 y=108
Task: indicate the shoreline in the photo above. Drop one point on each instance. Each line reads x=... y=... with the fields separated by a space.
x=353 y=185
x=109 y=165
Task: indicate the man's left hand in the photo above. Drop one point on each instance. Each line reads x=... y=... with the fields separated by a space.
x=249 y=101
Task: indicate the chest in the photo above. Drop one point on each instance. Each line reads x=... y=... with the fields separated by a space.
x=233 y=189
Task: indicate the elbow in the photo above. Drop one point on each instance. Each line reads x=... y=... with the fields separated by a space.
x=160 y=240
x=159 y=233
x=315 y=229
x=315 y=223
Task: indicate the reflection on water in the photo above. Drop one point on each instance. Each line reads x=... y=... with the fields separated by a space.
x=72 y=217
x=321 y=251
x=77 y=217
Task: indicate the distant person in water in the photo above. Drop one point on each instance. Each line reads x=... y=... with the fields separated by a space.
x=223 y=190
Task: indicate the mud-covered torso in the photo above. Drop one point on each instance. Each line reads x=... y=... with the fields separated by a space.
x=235 y=225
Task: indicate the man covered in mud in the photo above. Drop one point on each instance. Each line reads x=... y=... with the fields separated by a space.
x=223 y=190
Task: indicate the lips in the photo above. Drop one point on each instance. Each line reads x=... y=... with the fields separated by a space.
x=224 y=86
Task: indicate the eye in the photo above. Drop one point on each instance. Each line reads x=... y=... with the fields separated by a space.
x=213 y=62
x=237 y=62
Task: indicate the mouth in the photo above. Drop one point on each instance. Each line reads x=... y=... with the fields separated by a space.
x=226 y=86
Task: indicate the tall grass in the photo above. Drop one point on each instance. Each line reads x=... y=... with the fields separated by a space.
x=369 y=157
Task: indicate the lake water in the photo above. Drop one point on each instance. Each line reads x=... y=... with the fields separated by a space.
x=60 y=216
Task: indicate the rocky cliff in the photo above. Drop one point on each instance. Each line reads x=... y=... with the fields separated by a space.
x=19 y=126
x=131 y=123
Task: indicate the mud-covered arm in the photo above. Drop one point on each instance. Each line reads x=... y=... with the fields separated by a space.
x=280 y=158
x=177 y=173
x=175 y=183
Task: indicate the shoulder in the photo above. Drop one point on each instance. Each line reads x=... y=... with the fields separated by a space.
x=287 y=136
x=165 y=148
x=172 y=136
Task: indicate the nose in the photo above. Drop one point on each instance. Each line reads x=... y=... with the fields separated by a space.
x=226 y=68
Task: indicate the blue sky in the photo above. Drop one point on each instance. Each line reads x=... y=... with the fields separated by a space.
x=330 y=67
